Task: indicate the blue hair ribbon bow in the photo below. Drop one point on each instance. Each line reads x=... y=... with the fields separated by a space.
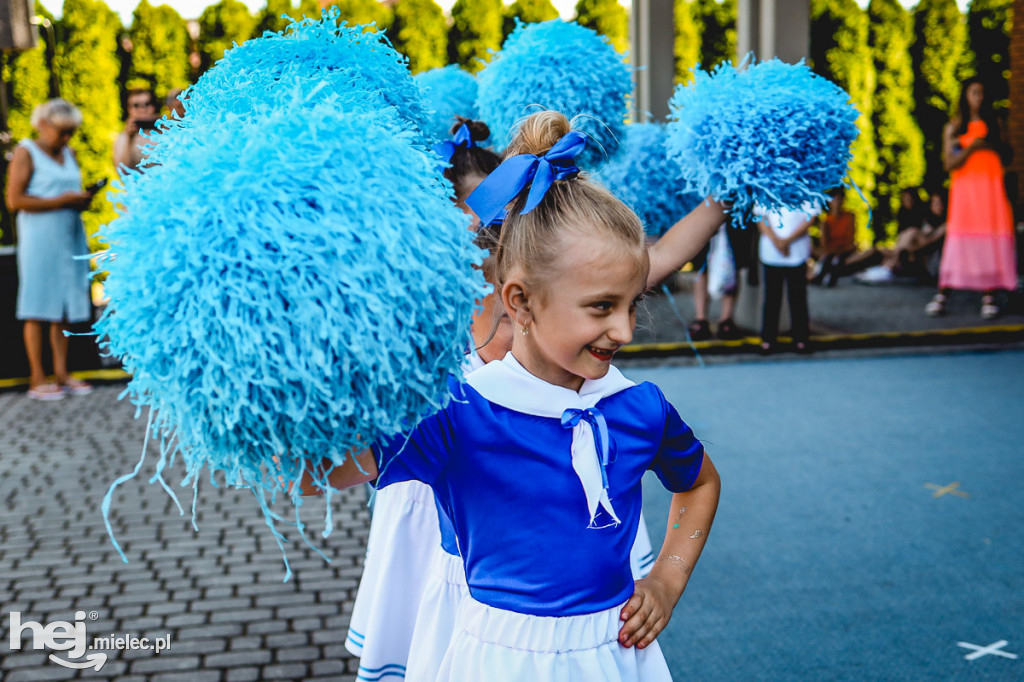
x=462 y=138
x=515 y=173
x=572 y=416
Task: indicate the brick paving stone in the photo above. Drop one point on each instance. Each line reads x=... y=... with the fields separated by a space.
x=328 y=668
x=232 y=659
x=284 y=671
x=189 y=676
x=242 y=675
x=163 y=663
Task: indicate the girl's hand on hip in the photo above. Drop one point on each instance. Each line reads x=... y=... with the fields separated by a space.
x=646 y=613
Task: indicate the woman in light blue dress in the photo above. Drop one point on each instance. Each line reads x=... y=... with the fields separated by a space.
x=45 y=187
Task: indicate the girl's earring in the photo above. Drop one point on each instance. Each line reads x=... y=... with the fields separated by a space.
x=525 y=330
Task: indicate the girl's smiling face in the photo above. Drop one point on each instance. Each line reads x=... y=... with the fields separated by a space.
x=582 y=311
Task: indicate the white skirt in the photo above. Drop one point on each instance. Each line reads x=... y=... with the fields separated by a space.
x=442 y=595
x=503 y=646
x=641 y=557
x=403 y=535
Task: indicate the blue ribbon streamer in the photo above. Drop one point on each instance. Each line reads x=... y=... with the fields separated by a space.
x=503 y=185
x=462 y=138
x=573 y=415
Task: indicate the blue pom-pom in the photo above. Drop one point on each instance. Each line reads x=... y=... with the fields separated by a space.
x=310 y=59
x=645 y=179
x=292 y=284
x=450 y=92
x=561 y=66
x=770 y=134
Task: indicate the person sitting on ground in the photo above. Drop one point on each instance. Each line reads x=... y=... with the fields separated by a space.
x=836 y=253
x=913 y=254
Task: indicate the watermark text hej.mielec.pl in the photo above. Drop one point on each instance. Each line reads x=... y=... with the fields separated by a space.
x=71 y=638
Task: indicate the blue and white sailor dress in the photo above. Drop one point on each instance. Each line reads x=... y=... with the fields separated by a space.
x=442 y=596
x=404 y=539
x=543 y=486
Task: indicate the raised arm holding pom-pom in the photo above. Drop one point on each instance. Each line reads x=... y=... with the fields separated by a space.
x=684 y=240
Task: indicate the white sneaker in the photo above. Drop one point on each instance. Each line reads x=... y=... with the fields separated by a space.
x=876 y=275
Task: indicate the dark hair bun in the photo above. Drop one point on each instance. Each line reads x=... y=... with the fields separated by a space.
x=478 y=130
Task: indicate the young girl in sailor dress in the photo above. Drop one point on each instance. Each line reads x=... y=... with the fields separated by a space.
x=538 y=458
x=404 y=532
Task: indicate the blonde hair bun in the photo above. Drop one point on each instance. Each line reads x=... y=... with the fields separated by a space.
x=538 y=133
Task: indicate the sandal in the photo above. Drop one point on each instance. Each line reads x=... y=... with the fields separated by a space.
x=728 y=331
x=699 y=330
x=936 y=306
x=46 y=392
x=76 y=387
x=989 y=309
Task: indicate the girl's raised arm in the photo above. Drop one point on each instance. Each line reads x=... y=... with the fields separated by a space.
x=684 y=240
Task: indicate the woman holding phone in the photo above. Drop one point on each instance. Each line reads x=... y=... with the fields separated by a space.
x=44 y=186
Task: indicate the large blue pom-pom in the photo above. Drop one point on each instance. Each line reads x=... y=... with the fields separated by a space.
x=450 y=92
x=643 y=177
x=320 y=57
x=562 y=66
x=292 y=284
x=771 y=134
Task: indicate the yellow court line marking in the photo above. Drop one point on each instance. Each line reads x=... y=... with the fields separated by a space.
x=88 y=375
x=827 y=338
x=950 y=489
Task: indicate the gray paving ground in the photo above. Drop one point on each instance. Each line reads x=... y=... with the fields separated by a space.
x=218 y=594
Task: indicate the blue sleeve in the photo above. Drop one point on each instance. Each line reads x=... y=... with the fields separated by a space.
x=417 y=455
x=680 y=456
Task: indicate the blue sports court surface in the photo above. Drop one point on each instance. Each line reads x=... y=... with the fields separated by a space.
x=870 y=526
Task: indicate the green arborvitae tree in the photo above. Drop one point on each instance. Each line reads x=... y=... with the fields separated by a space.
x=716 y=26
x=840 y=52
x=26 y=76
x=220 y=26
x=608 y=18
x=420 y=32
x=528 y=12
x=160 y=47
x=365 y=12
x=687 y=40
x=87 y=66
x=269 y=18
x=988 y=29
x=309 y=8
x=940 y=41
x=897 y=138
x=475 y=32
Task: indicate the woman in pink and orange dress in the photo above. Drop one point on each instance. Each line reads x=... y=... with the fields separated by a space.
x=979 y=254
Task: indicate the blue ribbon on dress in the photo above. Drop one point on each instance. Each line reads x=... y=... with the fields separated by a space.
x=462 y=138
x=599 y=427
x=503 y=185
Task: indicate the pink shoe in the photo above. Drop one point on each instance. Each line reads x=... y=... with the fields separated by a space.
x=46 y=392
x=77 y=387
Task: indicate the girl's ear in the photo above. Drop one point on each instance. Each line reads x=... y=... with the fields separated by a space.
x=516 y=300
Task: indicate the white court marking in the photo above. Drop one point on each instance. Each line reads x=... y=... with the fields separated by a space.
x=980 y=651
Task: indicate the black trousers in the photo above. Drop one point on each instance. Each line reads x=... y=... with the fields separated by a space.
x=795 y=281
